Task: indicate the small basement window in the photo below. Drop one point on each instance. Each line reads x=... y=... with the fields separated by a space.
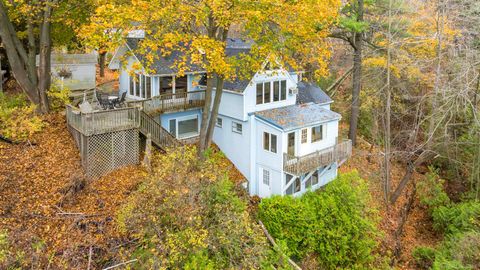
x=237 y=127
x=219 y=122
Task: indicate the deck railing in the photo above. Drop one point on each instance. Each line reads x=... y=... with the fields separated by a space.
x=99 y=122
x=171 y=102
x=305 y=164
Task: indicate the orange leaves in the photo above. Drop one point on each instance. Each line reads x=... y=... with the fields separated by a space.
x=34 y=207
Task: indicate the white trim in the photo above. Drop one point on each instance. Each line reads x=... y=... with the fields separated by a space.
x=186 y=118
x=268 y=123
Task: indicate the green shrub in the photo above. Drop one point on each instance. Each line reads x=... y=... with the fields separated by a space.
x=457 y=218
x=58 y=96
x=337 y=224
x=424 y=257
x=188 y=216
x=18 y=120
x=461 y=251
x=430 y=190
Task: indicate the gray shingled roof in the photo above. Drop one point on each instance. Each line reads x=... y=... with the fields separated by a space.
x=298 y=116
x=310 y=92
x=163 y=65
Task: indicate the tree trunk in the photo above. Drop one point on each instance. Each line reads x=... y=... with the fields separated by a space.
x=357 y=77
x=23 y=65
x=214 y=114
x=103 y=56
x=412 y=165
x=44 y=68
x=16 y=55
x=32 y=53
x=205 y=116
x=388 y=107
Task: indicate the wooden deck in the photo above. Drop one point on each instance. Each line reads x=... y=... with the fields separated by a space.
x=171 y=102
x=101 y=122
x=305 y=164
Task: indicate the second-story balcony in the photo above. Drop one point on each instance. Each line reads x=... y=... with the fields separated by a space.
x=171 y=102
x=300 y=165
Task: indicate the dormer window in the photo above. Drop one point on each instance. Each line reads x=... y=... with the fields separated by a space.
x=271 y=91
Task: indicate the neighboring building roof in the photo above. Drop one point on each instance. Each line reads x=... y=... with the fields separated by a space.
x=298 y=116
x=71 y=59
x=310 y=92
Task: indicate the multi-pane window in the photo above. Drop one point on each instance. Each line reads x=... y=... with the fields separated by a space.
x=137 y=84
x=140 y=86
x=276 y=91
x=266 y=177
x=219 y=122
x=237 y=127
x=271 y=91
x=259 y=93
x=270 y=142
x=131 y=89
x=266 y=92
x=148 y=87
x=283 y=90
x=304 y=135
x=317 y=133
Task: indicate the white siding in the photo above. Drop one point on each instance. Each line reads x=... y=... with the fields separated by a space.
x=235 y=146
x=251 y=92
x=330 y=134
x=268 y=160
x=232 y=105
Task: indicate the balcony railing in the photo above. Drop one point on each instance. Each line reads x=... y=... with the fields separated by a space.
x=99 y=122
x=171 y=102
x=305 y=164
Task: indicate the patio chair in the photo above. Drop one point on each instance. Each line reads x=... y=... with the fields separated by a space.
x=104 y=102
x=121 y=101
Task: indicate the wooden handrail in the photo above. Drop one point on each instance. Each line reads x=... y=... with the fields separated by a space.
x=171 y=102
x=298 y=165
x=159 y=135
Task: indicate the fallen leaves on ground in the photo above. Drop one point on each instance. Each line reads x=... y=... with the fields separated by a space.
x=37 y=204
x=418 y=227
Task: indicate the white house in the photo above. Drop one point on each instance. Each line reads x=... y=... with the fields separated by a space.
x=278 y=131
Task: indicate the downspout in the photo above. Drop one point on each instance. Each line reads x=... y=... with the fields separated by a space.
x=252 y=182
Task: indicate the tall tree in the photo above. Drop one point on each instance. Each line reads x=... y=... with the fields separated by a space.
x=37 y=16
x=352 y=27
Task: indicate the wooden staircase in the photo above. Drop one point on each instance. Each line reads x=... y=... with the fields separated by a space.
x=161 y=137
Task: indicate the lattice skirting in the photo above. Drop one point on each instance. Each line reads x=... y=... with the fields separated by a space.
x=107 y=152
